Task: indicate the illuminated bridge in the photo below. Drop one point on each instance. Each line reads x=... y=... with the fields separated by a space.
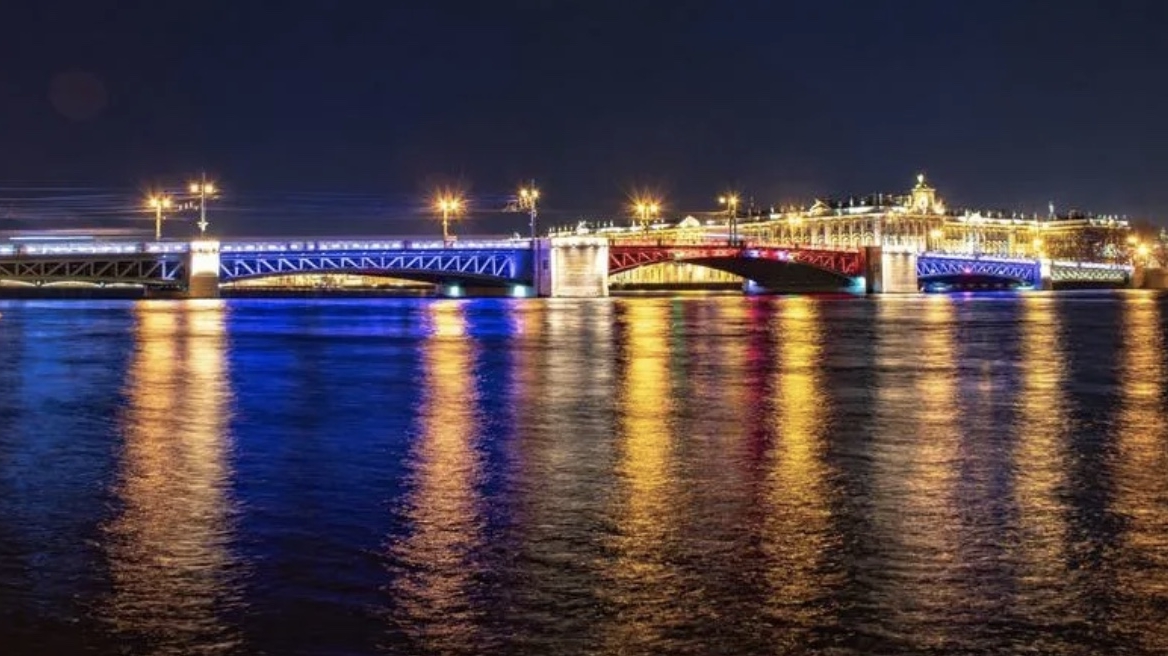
x=570 y=266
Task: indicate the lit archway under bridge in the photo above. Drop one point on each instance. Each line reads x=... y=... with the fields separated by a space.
x=765 y=267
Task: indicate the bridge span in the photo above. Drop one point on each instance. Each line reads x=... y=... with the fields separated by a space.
x=569 y=266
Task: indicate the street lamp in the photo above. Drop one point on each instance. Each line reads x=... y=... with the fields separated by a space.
x=646 y=211
x=731 y=203
x=203 y=190
x=528 y=197
x=158 y=203
x=448 y=206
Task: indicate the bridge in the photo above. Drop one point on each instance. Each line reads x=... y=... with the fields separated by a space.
x=559 y=266
x=891 y=244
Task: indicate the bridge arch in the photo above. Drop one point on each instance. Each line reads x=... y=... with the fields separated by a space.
x=769 y=267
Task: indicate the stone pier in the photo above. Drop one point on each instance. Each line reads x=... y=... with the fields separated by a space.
x=202 y=269
x=888 y=272
x=571 y=267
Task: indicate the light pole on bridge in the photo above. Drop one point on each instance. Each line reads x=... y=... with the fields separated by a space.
x=203 y=190
x=646 y=211
x=158 y=203
x=448 y=206
x=731 y=203
x=528 y=200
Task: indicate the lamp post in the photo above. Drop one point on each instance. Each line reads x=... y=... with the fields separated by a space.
x=448 y=206
x=646 y=211
x=528 y=198
x=158 y=203
x=204 y=190
x=731 y=203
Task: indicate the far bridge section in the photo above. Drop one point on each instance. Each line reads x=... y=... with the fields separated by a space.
x=158 y=265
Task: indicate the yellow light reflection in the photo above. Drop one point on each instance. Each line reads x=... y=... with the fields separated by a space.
x=641 y=572
x=1141 y=486
x=433 y=584
x=798 y=529
x=915 y=465
x=169 y=554
x=1040 y=459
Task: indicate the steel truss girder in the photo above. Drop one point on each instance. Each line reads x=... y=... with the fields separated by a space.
x=1020 y=270
x=500 y=265
x=1103 y=274
x=842 y=262
x=139 y=270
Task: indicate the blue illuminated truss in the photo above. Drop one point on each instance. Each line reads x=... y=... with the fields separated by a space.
x=932 y=265
x=493 y=265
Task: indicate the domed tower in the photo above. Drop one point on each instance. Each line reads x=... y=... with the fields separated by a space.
x=924 y=199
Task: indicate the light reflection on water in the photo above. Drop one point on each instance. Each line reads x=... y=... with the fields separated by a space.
x=168 y=549
x=646 y=475
x=643 y=583
x=915 y=574
x=1141 y=476
x=435 y=571
x=799 y=537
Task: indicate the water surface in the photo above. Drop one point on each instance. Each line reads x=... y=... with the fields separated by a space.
x=700 y=475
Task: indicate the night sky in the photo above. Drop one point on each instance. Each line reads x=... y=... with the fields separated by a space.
x=343 y=115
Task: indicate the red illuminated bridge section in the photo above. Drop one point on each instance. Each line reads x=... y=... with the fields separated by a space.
x=623 y=257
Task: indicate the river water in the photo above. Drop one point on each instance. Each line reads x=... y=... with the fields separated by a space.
x=695 y=475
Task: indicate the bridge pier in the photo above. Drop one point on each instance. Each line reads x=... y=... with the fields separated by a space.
x=202 y=269
x=1045 y=275
x=1156 y=278
x=571 y=267
x=889 y=272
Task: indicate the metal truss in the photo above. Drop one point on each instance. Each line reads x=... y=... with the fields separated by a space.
x=1021 y=270
x=1113 y=274
x=153 y=270
x=622 y=257
x=496 y=264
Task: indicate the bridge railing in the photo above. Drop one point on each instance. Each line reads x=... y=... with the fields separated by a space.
x=725 y=242
x=365 y=244
x=60 y=248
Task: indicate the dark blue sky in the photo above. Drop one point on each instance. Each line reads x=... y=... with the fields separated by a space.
x=1004 y=104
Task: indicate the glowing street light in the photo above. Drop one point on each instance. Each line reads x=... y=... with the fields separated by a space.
x=203 y=190
x=528 y=199
x=158 y=203
x=448 y=206
x=731 y=203
x=646 y=211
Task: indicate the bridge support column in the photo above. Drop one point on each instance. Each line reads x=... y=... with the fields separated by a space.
x=889 y=273
x=571 y=267
x=1151 y=278
x=1045 y=275
x=202 y=267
